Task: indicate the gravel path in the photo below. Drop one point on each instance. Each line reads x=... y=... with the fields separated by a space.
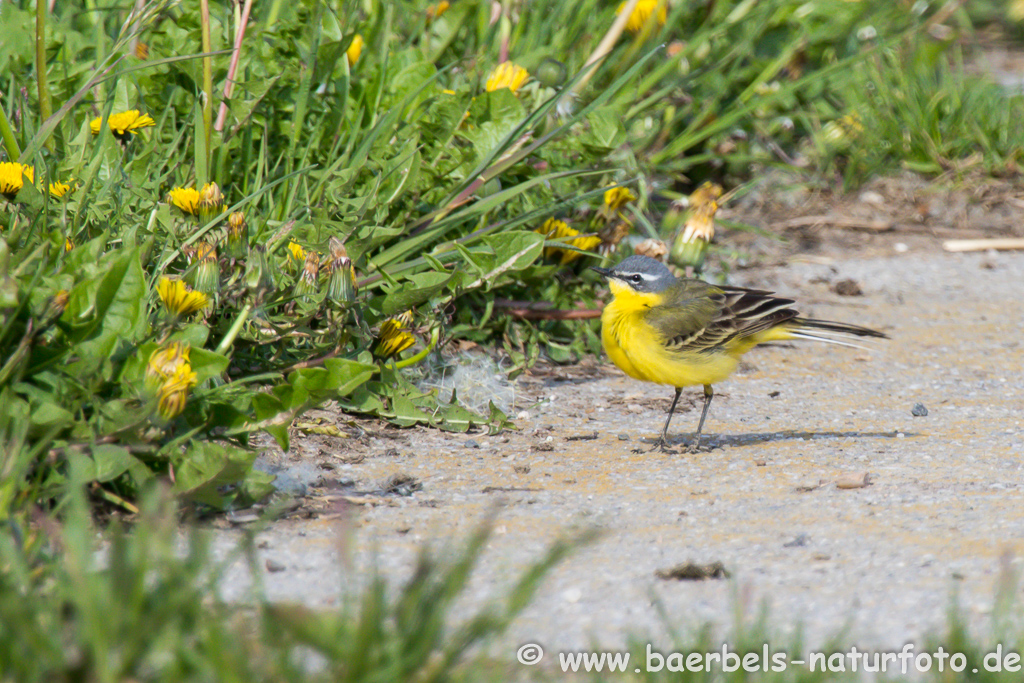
x=942 y=512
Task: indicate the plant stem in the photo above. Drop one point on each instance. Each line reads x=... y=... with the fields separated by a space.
x=10 y=142
x=45 y=108
x=434 y=336
x=602 y=49
x=204 y=8
x=229 y=85
x=236 y=327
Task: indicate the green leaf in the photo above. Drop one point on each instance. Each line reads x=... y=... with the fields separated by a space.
x=206 y=466
x=110 y=462
x=106 y=309
x=414 y=291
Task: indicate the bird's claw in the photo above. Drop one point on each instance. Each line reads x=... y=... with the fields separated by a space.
x=662 y=445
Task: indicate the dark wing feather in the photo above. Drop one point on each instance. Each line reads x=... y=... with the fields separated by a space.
x=698 y=316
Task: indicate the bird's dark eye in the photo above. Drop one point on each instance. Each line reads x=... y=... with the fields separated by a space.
x=635 y=277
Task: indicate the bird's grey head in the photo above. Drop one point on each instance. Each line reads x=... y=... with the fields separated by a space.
x=641 y=273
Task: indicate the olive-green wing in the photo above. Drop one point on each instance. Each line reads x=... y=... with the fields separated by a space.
x=698 y=316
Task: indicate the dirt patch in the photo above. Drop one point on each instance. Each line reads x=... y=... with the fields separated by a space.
x=824 y=489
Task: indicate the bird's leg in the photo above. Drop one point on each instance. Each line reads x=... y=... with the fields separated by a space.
x=662 y=442
x=709 y=394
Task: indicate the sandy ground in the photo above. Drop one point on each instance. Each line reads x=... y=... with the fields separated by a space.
x=941 y=514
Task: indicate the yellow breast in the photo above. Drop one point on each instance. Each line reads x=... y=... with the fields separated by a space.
x=638 y=349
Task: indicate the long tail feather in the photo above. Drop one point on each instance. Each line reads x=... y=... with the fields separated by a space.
x=831 y=332
x=834 y=327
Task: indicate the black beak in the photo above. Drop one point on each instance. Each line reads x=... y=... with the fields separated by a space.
x=606 y=272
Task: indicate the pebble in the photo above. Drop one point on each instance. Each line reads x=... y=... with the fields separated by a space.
x=274 y=566
x=470 y=443
x=623 y=437
x=799 y=542
x=919 y=410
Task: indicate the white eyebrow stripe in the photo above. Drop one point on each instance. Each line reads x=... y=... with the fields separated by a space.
x=649 y=277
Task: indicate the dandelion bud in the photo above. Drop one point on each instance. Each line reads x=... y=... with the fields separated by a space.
x=341 y=283
x=258 y=274
x=205 y=270
x=306 y=286
x=238 y=235
x=211 y=201
x=655 y=249
x=551 y=73
x=58 y=303
x=690 y=243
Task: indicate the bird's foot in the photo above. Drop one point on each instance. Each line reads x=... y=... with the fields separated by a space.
x=662 y=445
x=695 y=447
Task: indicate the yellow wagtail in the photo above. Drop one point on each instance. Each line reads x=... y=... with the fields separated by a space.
x=684 y=332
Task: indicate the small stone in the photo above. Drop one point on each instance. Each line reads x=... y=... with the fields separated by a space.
x=623 y=437
x=760 y=463
x=919 y=410
x=572 y=595
x=470 y=443
x=274 y=566
x=848 y=287
x=634 y=408
x=799 y=542
x=522 y=415
x=853 y=481
x=872 y=197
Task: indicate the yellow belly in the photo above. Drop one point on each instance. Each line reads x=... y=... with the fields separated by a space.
x=638 y=349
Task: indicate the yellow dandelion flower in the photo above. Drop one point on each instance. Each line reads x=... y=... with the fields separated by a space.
x=841 y=132
x=185 y=198
x=59 y=189
x=296 y=255
x=618 y=197
x=68 y=245
x=178 y=298
x=173 y=393
x=393 y=337
x=642 y=13
x=355 y=49
x=124 y=123
x=164 y=362
x=435 y=11
x=507 y=75
x=12 y=177
x=559 y=230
